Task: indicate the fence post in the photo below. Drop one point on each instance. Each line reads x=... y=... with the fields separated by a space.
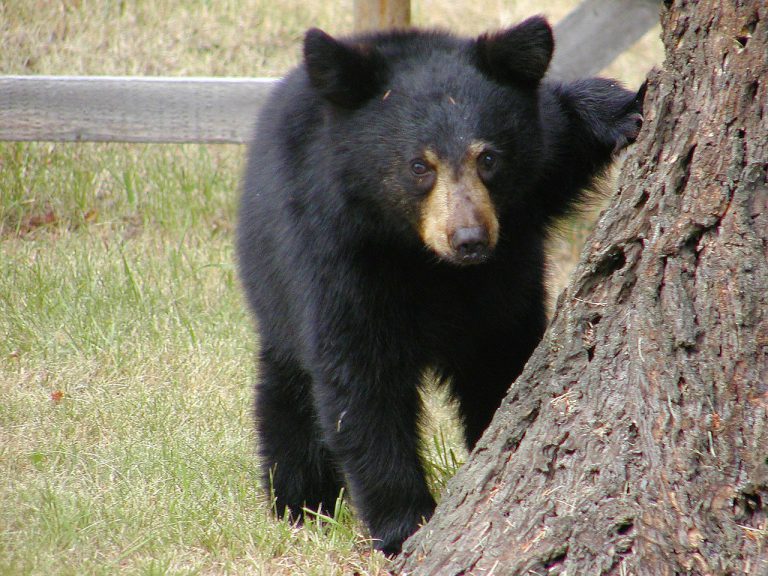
x=378 y=14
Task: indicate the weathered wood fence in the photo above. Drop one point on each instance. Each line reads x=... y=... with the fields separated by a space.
x=222 y=110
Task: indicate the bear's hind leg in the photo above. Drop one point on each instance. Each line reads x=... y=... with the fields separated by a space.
x=296 y=465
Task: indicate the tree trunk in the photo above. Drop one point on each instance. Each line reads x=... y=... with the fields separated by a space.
x=636 y=439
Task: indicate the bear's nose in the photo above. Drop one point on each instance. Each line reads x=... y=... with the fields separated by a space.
x=470 y=243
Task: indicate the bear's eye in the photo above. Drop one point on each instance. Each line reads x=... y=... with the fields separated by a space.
x=419 y=167
x=487 y=161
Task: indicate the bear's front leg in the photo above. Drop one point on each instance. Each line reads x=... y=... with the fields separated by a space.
x=295 y=462
x=370 y=423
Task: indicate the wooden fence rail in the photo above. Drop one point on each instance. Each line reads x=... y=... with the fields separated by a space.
x=222 y=110
x=129 y=109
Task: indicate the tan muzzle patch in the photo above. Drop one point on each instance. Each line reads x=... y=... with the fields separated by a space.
x=458 y=219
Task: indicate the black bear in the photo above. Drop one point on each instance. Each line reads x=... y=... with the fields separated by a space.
x=395 y=204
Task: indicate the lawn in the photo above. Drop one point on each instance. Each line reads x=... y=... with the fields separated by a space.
x=126 y=353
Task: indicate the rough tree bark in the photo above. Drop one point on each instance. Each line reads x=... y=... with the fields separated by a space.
x=636 y=440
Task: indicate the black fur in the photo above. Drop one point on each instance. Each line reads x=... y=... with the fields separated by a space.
x=352 y=308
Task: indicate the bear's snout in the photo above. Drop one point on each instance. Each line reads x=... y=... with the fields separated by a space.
x=471 y=244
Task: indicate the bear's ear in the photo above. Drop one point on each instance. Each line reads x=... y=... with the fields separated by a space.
x=343 y=73
x=517 y=55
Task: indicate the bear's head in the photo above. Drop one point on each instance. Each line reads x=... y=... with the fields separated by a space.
x=441 y=135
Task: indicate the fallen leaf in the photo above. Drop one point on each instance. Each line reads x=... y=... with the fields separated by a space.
x=38 y=220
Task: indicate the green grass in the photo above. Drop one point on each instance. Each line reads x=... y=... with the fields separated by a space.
x=126 y=353
x=125 y=374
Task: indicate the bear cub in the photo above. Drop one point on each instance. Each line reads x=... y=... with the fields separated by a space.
x=394 y=210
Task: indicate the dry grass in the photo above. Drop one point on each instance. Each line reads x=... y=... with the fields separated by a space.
x=176 y=38
x=225 y=38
